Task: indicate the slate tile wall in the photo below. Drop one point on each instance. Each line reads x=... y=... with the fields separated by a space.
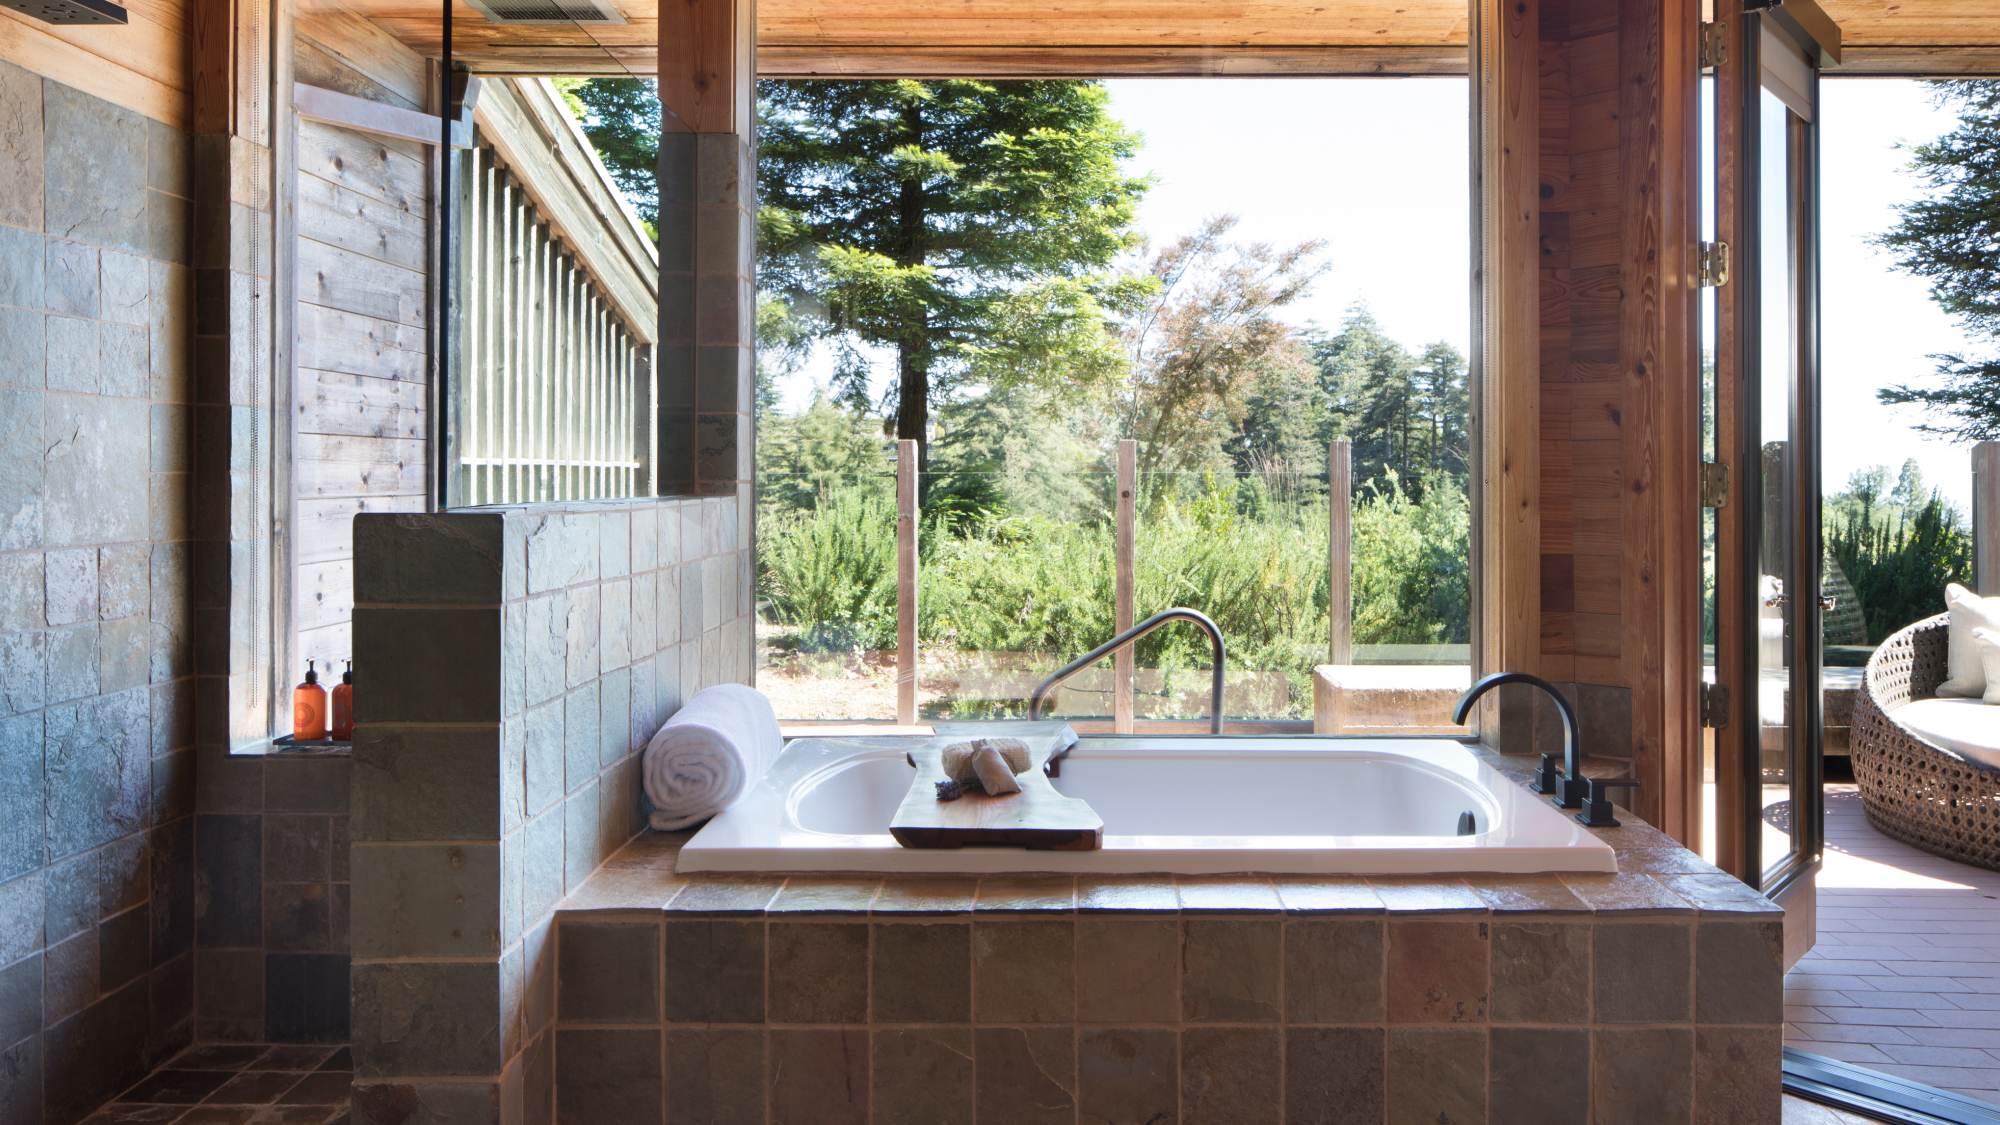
x=519 y=661
x=97 y=802
x=1502 y=999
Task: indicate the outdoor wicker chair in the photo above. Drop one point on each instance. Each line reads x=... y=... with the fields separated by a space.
x=1914 y=791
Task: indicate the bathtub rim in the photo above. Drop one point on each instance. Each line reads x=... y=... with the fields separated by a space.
x=760 y=834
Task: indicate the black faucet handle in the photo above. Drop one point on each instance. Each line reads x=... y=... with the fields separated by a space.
x=1548 y=779
x=1597 y=804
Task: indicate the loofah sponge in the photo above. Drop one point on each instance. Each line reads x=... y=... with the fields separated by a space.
x=989 y=763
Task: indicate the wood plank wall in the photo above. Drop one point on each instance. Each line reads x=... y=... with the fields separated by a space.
x=360 y=396
x=1617 y=382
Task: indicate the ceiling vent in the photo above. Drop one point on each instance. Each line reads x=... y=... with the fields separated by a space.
x=541 y=11
x=75 y=11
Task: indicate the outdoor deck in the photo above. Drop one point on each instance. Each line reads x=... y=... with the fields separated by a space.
x=1906 y=975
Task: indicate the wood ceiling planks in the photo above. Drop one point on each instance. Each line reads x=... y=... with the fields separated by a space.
x=877 y=37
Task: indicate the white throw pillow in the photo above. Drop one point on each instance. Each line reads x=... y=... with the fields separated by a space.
x=1988 y=643
x=1965 y=675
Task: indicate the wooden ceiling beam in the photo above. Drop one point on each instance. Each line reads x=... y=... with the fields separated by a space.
x=1937 y=61
x=1165 y=38
x=902 y=61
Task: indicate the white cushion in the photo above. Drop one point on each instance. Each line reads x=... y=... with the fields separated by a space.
x=1987 y=642
x=1965 y=676
x=1966 y=727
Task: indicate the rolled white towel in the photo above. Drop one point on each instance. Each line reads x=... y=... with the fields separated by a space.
x=709 y=754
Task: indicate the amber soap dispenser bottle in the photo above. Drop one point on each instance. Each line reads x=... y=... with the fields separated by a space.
x=309 y=708
x=343 y=706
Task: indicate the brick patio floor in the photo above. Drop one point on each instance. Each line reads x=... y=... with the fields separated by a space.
x=1905 y=977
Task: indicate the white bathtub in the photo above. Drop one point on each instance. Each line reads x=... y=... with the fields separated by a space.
x=1182 y=805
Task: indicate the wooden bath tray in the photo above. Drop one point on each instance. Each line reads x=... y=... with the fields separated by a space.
x=1037 y=817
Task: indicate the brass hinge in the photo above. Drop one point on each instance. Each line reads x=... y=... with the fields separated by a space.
x=1712 y=264
x=1714 y=45
x=1715 y=705
x=1714 y=485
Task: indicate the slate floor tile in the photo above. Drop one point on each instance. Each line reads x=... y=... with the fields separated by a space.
x=176 y=1087
x=328 y=1087
x=239 y=1084
x=217 y=1056
x=254 y=1087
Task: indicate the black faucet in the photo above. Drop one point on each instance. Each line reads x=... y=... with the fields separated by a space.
x=1566 y=784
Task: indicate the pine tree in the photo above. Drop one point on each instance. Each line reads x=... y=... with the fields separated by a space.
x=1406 y=415
x=621 y=116
x=969 y=225
x=1947 y=238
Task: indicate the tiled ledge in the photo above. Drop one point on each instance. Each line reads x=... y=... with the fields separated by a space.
x=1657 y=876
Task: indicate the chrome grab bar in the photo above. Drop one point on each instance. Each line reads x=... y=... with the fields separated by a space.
x=1127 y=637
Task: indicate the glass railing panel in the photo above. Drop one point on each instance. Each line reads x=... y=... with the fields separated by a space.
x=826 y=595
x=1016 y=577
x=1250 y=551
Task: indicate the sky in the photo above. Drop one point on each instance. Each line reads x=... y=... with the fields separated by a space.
x=1878 y=325
x=1378 y=169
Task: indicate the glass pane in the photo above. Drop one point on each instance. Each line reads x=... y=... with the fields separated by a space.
x=1185 y=276
x=1004 y=602
x=1250 y=551
x=1777 y=601
x=826 y=588
x=1709 y=454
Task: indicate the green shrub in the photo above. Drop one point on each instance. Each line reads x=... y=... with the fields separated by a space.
x=832 y=571
x=1898 y=563
x=1032 y=584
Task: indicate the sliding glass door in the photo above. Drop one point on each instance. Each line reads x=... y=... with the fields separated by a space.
x=1766 y=566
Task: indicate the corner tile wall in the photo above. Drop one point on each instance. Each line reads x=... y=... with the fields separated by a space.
x=97 y=832
x=518 y=659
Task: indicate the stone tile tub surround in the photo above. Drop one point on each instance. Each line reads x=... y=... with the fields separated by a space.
x=518 y=659
x=1653 y=995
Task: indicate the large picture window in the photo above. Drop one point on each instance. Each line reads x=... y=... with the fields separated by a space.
x=1130 y=346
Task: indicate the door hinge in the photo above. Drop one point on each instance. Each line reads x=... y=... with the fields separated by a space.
x=1714 y=485
x=1714 y=45
x=1715 y=705
x=1712 y=264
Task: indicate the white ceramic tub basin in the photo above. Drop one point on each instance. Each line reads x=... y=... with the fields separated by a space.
x=1183 y=805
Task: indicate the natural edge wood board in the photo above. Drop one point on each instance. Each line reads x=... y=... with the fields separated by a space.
x=1038 y=817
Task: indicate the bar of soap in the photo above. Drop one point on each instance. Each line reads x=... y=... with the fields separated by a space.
x=1005 y=757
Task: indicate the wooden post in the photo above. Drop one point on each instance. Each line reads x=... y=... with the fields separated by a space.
x=1122 y=660
x=1506 y=402
x=1986 y=517
x=1340 y=552
x=906 y=583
